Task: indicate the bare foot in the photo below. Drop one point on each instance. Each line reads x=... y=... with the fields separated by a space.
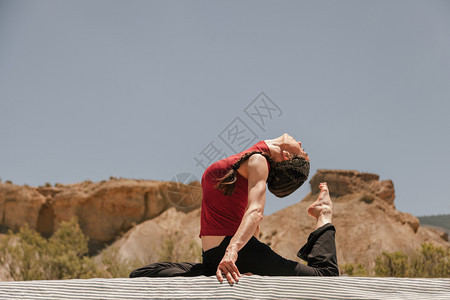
x=323 y=203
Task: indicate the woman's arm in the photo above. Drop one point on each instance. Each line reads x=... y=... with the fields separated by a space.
x=257 y=177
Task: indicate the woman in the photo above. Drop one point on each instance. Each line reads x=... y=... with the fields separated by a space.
x=233 y=205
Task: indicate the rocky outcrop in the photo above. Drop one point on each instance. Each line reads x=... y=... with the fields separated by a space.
x=105 y=210
x=364 y=215
x=19 y=205
x=342 y=183
x=366 y=220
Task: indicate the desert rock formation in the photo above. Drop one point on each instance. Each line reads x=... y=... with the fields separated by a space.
x=104 y=209
x=141 y=216
x=364 y=215
x=365 y=218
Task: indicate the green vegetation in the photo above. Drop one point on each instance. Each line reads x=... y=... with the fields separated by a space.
x=26 y=255
x=442 y=221
x=172 y=251
x=352 y=270
x=114 y=266
x=392 y=264
x=430 y=262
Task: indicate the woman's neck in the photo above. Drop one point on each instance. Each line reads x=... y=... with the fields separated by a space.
x=274 y=148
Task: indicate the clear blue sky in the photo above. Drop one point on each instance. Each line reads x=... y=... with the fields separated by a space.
x=138 y=89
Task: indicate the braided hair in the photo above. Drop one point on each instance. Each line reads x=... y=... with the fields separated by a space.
x=284 y=177
x=287 y=176
x=228 y=181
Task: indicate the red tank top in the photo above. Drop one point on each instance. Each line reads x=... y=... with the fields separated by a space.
x=222 y=215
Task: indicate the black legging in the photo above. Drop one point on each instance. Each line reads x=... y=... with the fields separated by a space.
x=259 y=259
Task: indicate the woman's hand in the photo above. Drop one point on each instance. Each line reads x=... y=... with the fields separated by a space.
x=228 y=267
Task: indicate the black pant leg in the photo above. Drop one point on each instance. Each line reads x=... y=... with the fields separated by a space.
x=169 y=269
x=258 y=258
x=320 y=251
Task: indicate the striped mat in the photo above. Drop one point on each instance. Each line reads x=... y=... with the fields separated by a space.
x=249 y=287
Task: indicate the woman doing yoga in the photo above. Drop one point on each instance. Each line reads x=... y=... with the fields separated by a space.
x=234 y=193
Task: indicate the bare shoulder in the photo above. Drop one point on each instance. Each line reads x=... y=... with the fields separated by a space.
x=257 y=165
x=256 y=160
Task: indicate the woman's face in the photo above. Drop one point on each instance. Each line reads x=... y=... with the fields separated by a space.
x=291 y=147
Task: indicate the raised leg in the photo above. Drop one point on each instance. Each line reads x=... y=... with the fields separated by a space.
x=322 y=208
x=320 y=250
